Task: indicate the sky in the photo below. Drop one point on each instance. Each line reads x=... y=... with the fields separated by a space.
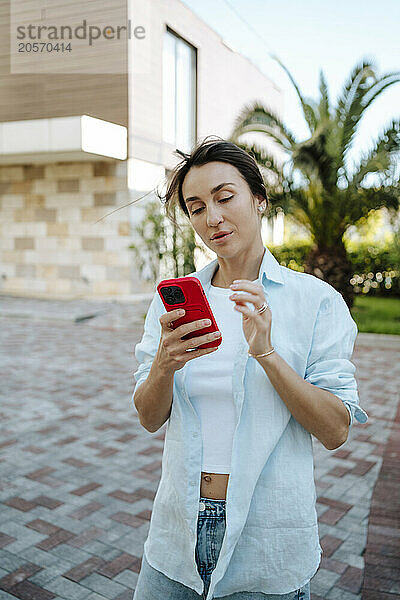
x=310 y=35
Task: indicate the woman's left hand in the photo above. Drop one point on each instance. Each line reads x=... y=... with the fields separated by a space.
x=256 y=327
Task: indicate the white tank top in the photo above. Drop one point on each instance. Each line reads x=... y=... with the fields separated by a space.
x=209 y=384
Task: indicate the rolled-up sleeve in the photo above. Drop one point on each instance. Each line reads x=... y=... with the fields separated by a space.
x=146 y=349
x=329 y=366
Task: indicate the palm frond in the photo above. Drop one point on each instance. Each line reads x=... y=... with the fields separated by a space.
x=263 y=157
x=379 y=157
x=346 y=96
x=268 y=131
x=384 y=82
x=256 y=117
x=324 y=100
x=364 y=96
x=312 y=110
x=354 y=110
x=312 y=157
x=308 y=109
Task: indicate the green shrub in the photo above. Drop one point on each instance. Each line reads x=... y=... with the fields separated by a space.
x=376 y=269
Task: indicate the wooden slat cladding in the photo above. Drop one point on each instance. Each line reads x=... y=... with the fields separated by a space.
x=31 y=95
x=101 y=96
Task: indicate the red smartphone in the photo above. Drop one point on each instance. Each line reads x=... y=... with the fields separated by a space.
x=188 y=293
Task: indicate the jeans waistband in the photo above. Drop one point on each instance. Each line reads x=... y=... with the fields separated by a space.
x=211 y=508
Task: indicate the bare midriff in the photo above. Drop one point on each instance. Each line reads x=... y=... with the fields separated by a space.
x=213 y=485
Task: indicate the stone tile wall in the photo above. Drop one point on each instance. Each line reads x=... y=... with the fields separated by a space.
x=50 y=245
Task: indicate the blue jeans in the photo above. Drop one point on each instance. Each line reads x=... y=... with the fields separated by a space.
x=154 y=585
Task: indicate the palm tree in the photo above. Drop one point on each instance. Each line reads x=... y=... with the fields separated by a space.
x=317 y=184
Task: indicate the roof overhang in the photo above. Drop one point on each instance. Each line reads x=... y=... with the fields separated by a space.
x=57 y=139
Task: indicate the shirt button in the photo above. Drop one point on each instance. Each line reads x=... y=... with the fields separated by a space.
x=193 y=483
x=195 y=434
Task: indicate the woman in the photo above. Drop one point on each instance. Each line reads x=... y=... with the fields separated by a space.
x=239 y=423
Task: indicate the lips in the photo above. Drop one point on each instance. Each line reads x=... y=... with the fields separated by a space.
x=220 y=236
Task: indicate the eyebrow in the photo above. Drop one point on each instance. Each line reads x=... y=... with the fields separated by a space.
x=213 y=191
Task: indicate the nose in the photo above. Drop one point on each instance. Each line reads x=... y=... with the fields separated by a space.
x=213 y=217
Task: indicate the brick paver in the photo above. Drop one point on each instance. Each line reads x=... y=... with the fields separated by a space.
x=79 y=474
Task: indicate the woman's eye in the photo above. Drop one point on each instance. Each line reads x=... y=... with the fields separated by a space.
x=222 y=200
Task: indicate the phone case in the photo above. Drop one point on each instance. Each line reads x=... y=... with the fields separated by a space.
x=188 y=293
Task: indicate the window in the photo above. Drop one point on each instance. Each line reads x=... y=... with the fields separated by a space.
x=179 y=92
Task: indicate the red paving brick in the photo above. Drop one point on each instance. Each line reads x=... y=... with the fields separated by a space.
x=85 y=511
x=107 y=452
x=382 y=553
x=116 y=566
x=384 y=570
x=329 y=544
x=377 y=559
x=34 y=449
x=144 y=493
x=144 y=474
x=40 y=473
x=125 y=496
x=128 y=519
x=29 y=591
x=11 y=580
x=7 y=443
x=136 y=566
x=372 y=594
x=332 y=516
x=60 y=537
x=332 y=565
x=96 y=435
x=339 y=471
x=42 y=526
x=380 y=584
x=345 y=506
x=75 y=462
x=128 y=437
x=351 y=580
x=150 y=450
x=46 y=430
x=5 y=540
x=67 y=440
x=362 y=466
x=83 y=570
x=153 y=466
x=20 y=504
x=106 y=426
x=47 y=502
x=85 y=489
x=82 y=539
x=341 y=453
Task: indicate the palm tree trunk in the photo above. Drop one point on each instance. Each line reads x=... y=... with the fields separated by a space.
x=333 y=266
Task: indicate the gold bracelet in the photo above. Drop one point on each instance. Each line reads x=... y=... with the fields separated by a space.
x=258 y=355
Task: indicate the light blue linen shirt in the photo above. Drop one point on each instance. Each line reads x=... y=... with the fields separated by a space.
x=271 y=542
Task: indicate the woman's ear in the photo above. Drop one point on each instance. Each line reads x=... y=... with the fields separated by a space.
x=262 y=204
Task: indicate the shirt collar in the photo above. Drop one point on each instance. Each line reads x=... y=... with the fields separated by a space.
x=269 y=269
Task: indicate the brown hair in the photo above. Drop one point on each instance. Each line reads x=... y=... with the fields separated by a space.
x=212 y=148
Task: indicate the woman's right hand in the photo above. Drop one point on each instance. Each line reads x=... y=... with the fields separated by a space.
x=174 y=352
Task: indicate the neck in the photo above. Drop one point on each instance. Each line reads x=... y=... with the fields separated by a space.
x=247 y=266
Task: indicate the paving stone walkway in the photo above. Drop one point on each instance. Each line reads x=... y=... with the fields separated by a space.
x=78 y=474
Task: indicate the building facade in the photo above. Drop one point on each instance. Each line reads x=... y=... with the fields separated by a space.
x=80 y=140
